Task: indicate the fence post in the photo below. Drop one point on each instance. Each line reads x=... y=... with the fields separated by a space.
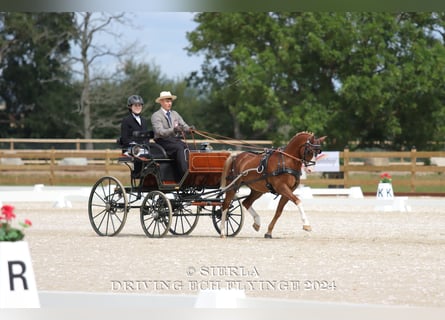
x=107 y=161
x=52 y=177
x=346 y=167
x=413 y=168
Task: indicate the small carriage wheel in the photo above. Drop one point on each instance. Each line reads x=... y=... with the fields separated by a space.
x=184 y=220
x=234 y=220
x=108 y=206
x=156 y=214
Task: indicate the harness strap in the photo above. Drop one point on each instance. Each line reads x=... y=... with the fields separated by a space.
x=263 y=166
x=293 y=172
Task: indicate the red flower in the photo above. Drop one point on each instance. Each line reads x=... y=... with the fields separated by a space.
x=8 y=212
x=7 y=231
x=385 y=178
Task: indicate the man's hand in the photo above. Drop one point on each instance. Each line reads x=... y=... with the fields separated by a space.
x=178 y=129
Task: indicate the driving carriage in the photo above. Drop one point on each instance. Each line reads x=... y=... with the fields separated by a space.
x=168 y=203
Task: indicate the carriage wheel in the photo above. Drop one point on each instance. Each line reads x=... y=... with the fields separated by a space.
x=156 y=214
x=184 y=220
x=234 y=221
x=107 y=206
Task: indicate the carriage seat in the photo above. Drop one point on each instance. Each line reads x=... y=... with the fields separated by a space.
x=155 y=150
x=167 y=166
x=139 y=137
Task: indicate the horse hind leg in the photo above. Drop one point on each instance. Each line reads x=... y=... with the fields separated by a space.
x=224 y=209
x=247 y=203
x=222 y=227
x=256 y=219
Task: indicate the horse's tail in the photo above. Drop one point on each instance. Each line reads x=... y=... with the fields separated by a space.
x=226 y=169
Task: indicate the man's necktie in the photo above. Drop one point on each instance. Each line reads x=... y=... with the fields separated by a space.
x=169 y=118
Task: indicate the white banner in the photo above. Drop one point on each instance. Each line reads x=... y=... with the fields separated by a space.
x=328 y=161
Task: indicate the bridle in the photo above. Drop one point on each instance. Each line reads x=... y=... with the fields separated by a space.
x=310 y=147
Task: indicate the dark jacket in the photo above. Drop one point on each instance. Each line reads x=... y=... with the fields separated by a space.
x=128 y=125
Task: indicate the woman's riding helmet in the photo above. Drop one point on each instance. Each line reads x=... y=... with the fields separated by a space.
x=134 y=99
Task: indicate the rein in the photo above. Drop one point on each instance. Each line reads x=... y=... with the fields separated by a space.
x=289 y=155
x=264 y=161
x=224 y=140
x=241 y=142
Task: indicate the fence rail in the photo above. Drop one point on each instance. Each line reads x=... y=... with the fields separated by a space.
x=420 y=169
x=80 y=144
x=412 y=171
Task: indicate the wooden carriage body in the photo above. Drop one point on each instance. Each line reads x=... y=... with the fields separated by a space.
x=205 y=168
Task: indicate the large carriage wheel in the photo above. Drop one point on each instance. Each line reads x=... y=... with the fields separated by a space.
x=234 y=219
x=156 y=214
x=107 y=206
x=184 y=220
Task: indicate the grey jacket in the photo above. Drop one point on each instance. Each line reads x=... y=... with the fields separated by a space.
x=162 y=128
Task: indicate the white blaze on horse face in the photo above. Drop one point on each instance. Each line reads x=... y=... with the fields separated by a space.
x=314 y=157
x=255 y=215
x=308 y=169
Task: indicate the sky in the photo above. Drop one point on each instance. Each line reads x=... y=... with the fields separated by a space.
x=161 y=37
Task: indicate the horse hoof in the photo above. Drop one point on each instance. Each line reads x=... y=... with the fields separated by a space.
x=256 y=227
x=307 y=228
x=268 y=236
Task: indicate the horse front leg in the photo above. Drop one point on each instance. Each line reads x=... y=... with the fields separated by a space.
x=304 y=218
x=278 y=212
x=292 y=197
x=306 y=224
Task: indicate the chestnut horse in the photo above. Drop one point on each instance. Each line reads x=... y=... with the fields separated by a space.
x=277 y=171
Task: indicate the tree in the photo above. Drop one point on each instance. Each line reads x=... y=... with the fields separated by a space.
x=351 y=76
x=140 y=79
x=88 y=26
x=34 y=83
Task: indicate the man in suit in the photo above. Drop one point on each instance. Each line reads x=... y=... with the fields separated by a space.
x=131 y=123
x=169 y=129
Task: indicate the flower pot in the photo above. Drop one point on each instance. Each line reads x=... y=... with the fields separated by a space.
x=17 y=283
x=384 y=190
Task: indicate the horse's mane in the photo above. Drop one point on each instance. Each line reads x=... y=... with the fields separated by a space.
x=304 y=132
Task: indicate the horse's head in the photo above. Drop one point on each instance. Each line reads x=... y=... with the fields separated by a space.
x=306 y=147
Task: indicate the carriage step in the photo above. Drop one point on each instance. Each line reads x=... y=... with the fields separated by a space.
x=206 y=203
